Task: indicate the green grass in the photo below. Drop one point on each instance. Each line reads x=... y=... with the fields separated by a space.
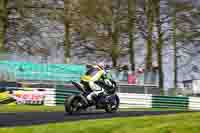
x=179 y=123
x=36 y=108
x=29 y=108
x=152 y=109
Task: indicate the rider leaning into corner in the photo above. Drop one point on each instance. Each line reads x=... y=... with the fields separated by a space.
x=95 y=73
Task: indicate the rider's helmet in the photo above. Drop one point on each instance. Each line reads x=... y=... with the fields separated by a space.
x=101 y=65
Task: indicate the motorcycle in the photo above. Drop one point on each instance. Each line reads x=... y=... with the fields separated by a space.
x=107 y=100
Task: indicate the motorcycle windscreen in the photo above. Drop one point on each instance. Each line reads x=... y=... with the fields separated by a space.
x=91 y=74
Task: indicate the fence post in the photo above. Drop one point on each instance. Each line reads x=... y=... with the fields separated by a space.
x=145 y=90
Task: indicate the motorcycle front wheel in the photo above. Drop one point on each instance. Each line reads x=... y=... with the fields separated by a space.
x=113 y=104
x=73 y=104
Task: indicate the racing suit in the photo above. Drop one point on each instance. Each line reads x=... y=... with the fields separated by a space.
x=96 y=73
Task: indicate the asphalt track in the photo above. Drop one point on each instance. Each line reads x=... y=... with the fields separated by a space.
x=35 y=118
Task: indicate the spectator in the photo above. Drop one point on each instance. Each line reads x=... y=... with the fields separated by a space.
x=131 y=76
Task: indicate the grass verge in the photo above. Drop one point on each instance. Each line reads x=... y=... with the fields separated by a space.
x=179 y=123
x=29 y=108
x=36 y=108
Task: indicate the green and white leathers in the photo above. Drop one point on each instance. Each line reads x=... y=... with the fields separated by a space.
x=95 y=73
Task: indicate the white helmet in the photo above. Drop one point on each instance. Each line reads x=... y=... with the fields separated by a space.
x=101 y=65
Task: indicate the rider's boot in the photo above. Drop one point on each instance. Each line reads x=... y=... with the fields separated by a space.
x=91 y=98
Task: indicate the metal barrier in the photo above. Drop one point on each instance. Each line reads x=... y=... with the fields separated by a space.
x=135 y=100
x=141 y=89
x=56 y=96
x=131 y=100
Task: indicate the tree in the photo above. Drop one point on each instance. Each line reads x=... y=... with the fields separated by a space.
x=159 y=45
x=131 y=31
x=177 y=24
x=101 y=28
x=67 y=43
x=174 y=25
x=3 y=22
x=150 y=20
x=116 y=33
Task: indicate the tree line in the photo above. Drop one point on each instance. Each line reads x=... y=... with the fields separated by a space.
x=161 y=23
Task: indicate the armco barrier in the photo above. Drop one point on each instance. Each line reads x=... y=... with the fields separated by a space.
x=169 y=102
x=130 y=100
x=56 y=96
x=127 y=100
x=135 y=100
x=194 y=103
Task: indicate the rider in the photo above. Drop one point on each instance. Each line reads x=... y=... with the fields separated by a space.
x=95 y=73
